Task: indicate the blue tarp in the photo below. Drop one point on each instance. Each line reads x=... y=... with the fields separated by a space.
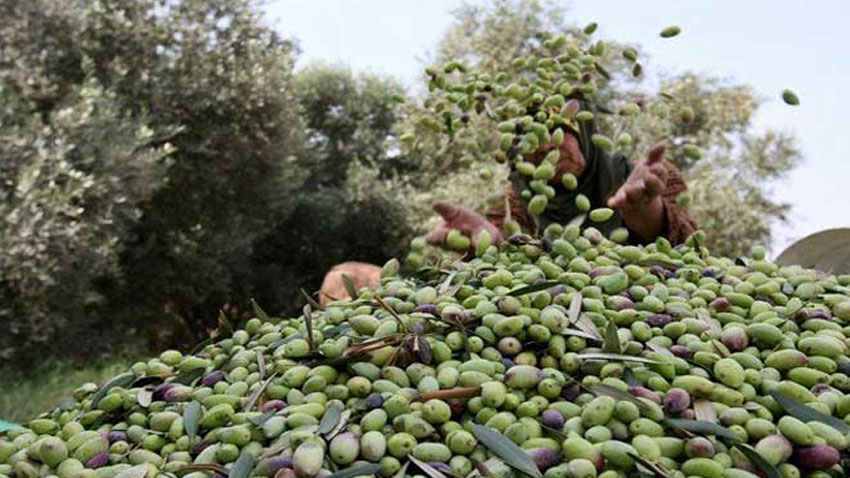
x=6 y=426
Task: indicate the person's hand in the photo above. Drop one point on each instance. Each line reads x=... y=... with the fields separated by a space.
x=466 y=221
x=639 y=199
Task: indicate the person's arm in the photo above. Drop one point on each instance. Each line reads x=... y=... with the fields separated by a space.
x=519 y=212
x=647 y=200
x=678 y=224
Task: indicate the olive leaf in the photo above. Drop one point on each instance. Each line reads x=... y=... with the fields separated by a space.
x=758 y=461
x=191 y=416
x=225 y=329
x=308 y=322
x=617 y=357
x=310 y=300
x=259 y=420
x=186 y=378
x=575 y=307
x=619 y=395
x=331 y=418
x=444 y=287
x=122 y=380
x=212 y=467
x=425 y=467
x=507 y=450
x=576 y=221
x=701 y=427
x=261 y=365
x=579 y=333
x=349 y=287
x=612 y=339
x=259 y=312
x=138 y=471
x=351 y=472
x=339 y=329
x=585 y=324
x=806 y=413
x=343 y=421
x=243 y=466
x=533 y=288
x=257 y=393
x=654 y=468
x=144 y=397
x=704 y=411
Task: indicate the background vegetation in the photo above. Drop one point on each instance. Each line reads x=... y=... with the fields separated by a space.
x=162 y=161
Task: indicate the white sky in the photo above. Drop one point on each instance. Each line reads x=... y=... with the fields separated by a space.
x=768 y=44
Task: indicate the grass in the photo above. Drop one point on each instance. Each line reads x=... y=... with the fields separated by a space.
x=23 y=396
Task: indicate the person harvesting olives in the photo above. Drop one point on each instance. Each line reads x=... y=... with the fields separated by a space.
x=642 y=194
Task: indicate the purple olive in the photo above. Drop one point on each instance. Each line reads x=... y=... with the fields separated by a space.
x=681 y=351
x=643 y=392
x=273 y=405
x=676 y=400
x=816 y=457
x=699 y=447
x=571 y=391
x=213 y=378
x=373 y=401
x=98 y=460
x=720 y=304
x=116 y=435
x=159 y=391
x=441 y=467
x=426 y=309
x=285 y=473
x=819 y=314
x=180 y=393
x=198 y=447
x=544 y=458
x=659 y=320
x=553 y=419
x=735 y=339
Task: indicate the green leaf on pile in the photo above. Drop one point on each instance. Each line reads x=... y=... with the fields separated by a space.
x=259 y=312
x=701 y=427
x=191 y=416
x=612 y=339
x=354 y=471
x=619 y=395
x=309 y=299
x=575 y=307
x=186 y=378
x=349 y=287
x=617 y=357
x=806 y=413
x=507 y=450
x=243 y=466
x=425 y=467
x=533 y=288
x=308 y=322
x=257 y=393
x=331 y=418
x=138 y=471
x=758 y=461
x=258 y=421
x=122 y=380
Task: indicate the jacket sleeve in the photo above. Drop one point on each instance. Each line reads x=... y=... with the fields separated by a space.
x=678 y=223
